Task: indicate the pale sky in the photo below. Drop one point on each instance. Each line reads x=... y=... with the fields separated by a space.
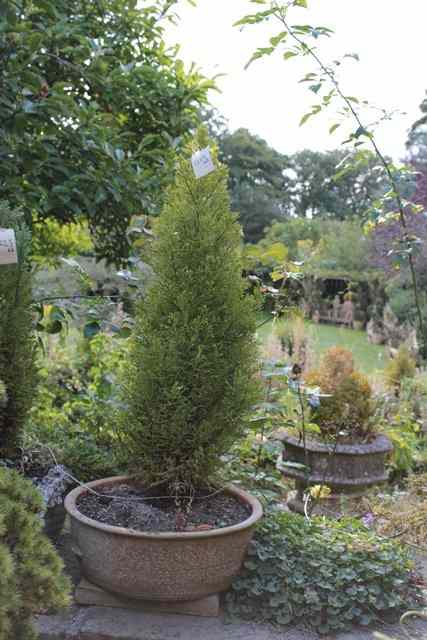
x=267 y=99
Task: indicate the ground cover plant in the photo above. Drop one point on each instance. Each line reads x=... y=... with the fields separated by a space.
x=328 y=574
x=31 y=578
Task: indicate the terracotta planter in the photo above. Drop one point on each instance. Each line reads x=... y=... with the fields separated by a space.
x=166 y=567
x=350 y=470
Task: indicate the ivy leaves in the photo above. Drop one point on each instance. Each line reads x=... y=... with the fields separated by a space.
x=331 y=575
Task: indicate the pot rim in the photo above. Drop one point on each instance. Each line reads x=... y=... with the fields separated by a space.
x=380 y=444
x=243 y=496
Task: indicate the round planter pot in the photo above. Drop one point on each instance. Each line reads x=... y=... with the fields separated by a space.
x=166 y=567
x=350 y=469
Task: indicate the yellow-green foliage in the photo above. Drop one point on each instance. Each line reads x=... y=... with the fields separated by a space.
x=296 y=340
x=52 y=240
x=400 y=367
x=190 y=379
x=31 y=578
x=3 y=393
x=17 y=341
x=350 y=405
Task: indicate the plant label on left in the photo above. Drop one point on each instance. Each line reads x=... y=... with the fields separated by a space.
x=202 y=163
x=8 y=253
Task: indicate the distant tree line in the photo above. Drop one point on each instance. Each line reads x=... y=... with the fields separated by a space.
x=268 y=186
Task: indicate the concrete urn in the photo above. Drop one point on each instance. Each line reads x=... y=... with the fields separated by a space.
x=349 y=469
x=159 y=567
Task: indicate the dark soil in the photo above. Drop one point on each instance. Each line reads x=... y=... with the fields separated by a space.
x=131 y=507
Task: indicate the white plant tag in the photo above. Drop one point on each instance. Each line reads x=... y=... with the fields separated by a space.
x=8 y=254
x=202 y=163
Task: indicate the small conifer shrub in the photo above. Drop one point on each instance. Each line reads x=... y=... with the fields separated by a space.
x=191 y=375
x=31 y=578
x=18 y=371
x=349 y=408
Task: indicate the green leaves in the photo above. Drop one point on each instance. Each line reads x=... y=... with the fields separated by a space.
x=329 y=574
x=314 y=111
x=65 y=84
x=260 y=53
x=91 y=329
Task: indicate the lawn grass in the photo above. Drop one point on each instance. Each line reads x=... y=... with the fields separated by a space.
x=368 y=358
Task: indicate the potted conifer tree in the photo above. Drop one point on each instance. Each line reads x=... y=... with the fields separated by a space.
x=171 y=533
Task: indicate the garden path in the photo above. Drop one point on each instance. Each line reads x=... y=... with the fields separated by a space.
x=104 y=623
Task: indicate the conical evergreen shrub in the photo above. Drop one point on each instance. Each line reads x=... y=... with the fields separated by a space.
x=191 y=375
x=31 y=578
x=18 y=371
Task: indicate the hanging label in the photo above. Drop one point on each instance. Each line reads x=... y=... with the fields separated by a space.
x=8 y=253
x=202 y=163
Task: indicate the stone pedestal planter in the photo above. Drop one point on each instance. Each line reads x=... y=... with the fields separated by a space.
x=349 y=470
x=165 y=567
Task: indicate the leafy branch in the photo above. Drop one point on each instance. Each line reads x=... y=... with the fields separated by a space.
x=298 y=35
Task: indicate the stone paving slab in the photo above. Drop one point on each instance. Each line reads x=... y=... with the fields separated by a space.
x=102 y=623
x=87 y=593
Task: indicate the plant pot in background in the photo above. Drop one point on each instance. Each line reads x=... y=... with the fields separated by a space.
x=163 y=567
x=348 y=471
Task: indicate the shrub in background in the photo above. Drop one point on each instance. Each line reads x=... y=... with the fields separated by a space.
x=296 y=341
x=73 y=412
x=190 y=379
x=350 y=406
x=398 y=368
x=31 y=578
x=329 y=575
x=17 y=342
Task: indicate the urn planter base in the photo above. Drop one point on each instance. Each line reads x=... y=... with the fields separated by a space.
x=347 y=469
x=89 y=594
x=334 y=506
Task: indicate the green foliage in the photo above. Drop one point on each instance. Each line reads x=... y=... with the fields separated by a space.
x=319 y=193
x=292 y=231
x=343 y=250
x=31 y=578
x=398 y=368
x=190 y=378
x=296 y=40
x=348 y=407
x=402 y=419
x=328 y=574
x=259 y=188
x=17 y=342
x=53 y=240
x=93 y=103
x=73 y=413
x=3 y=394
